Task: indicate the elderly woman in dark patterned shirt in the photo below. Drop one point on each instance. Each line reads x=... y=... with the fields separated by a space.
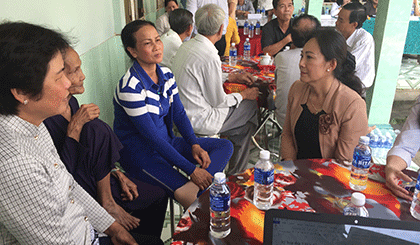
x=89 y=148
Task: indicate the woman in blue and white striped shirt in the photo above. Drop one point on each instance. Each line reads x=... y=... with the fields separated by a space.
x=146 y=105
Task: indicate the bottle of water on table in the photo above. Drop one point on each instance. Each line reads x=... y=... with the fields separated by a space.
x=246 y=26
x=360 y=165
x=258 y=28
x=251 y=30
x=357 y=206
x=415 y=204
x=219 y=206
x=263 y=181
x=233 y=55
x=247 y=49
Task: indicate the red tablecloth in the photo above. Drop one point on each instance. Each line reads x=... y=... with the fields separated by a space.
x=255 y=43
x=317 y=185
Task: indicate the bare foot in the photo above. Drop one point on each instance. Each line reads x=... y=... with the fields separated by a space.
x=128 y=221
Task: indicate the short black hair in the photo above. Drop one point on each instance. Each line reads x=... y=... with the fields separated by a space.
x=168 y=1
x=127 y=34
x=180 y=20
x=275 y=2
x=301 y=34
x=25 y=52
x=358 y=13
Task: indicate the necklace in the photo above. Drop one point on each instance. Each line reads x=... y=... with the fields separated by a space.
x=313 y=106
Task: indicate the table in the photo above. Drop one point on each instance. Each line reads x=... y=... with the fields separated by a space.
x=313 y=185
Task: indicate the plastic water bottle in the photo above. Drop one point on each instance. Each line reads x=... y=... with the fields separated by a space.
x=233 y=55
x=251 y=30
x=415 y=204
x=263 y=12
x=258 y=10
x=381 y=146
x=374 y=144
x=247 y=49
x=360 y=165
x=219 y=206
x=258 y=28
x=357 y=206
x=388 y=144
x=263 y=181
x=246 y=26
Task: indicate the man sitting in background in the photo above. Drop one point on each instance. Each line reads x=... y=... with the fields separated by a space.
x=360 y=43
x=244 y=8
x=276 y=33
x=197 y=69
x=287 y=62
x=181 y=22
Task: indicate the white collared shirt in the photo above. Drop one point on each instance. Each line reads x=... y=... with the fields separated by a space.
x=162 y=24
x=171 y=43
x=40 y=202
x=362 y=46
x=198 y=72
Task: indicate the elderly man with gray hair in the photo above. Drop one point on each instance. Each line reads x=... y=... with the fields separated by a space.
x=197 y=69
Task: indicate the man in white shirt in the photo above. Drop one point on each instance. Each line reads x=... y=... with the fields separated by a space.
x=360 y=43
x=197 y=69
x=181 y=22
x=193 y=5
x=287 y=62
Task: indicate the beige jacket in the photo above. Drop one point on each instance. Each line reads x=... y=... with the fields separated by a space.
x=339 y=131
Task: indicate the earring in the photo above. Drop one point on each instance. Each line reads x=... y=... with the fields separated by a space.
x=25 y=102
x=328 y=70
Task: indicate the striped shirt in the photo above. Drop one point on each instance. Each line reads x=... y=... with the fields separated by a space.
x=40 y=202
x=145 y=111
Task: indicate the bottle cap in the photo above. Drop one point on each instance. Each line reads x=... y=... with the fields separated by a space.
x=247 y=39
x=358 y=199
x=364 y=140
x=264 y=154
x=219 y=177
x=233 y=44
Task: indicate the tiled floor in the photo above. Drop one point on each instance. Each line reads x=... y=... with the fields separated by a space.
x=409 y=79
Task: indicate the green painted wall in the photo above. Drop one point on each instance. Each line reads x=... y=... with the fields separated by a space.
x=92 y=25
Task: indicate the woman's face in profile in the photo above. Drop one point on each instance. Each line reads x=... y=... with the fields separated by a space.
x=55 y=95
x=149 y=47
x=312 y=65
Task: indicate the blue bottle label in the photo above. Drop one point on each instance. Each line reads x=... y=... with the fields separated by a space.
x=220 y=203
x=361 y=160
x=245 y=24
x=418 y=183
x=247 y=47
x=263 y=177
x=233 y=53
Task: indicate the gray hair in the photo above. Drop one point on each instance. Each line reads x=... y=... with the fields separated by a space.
x=208 y=19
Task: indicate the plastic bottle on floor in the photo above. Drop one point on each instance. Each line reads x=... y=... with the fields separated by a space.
x=233 y=55
x=263 y=181
x=357 y=206
x=219 y=206
x=360 y=165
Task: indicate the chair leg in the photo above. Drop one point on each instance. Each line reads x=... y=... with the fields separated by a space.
x=267 y=117
x=172 y=215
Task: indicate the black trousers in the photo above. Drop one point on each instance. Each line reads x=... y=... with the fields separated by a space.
x=221 y=46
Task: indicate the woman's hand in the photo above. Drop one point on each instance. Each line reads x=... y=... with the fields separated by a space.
x=128 y=188
x=393 y=173
x=85 y=114
x=201 y=178
x=201 y=156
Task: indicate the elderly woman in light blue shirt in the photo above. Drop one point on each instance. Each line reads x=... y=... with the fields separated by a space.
x=405 y=148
